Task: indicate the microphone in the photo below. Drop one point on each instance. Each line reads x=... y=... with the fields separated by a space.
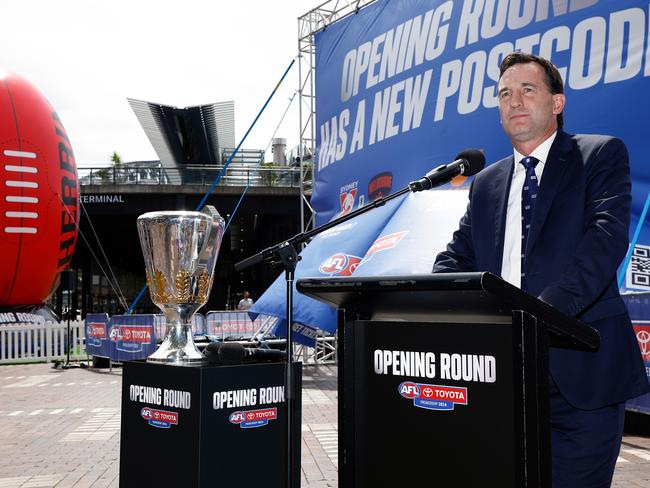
x=211 y=352
x=467 y=163
x=234 y=353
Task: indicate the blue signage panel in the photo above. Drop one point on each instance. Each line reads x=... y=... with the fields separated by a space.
x=132 y=337
x=97 y=340
x=403 y=86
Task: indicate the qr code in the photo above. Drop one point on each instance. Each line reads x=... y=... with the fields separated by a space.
x=638 y=272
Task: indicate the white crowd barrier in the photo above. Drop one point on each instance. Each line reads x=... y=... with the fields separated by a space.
x=22 y=343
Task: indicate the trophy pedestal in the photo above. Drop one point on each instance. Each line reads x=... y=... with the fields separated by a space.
x=207 y=426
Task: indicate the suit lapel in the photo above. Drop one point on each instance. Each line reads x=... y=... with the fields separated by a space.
x=554 y=169
x=500 y=190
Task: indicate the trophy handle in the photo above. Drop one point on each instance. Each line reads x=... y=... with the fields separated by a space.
x=208 y=244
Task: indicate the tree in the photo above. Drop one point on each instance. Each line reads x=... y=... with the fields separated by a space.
x=117 y=167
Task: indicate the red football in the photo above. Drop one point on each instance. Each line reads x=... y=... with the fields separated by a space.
x=40 y=194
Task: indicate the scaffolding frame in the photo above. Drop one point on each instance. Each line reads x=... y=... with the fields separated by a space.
x=309 y=24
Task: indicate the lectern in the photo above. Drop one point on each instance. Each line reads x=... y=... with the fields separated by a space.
x=443 y=379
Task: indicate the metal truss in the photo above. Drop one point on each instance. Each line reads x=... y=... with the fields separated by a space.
x=309 y=24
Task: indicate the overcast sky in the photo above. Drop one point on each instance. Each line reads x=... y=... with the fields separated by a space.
x=88 y=56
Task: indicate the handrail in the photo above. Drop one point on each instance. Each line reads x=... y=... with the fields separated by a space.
x=200 y=175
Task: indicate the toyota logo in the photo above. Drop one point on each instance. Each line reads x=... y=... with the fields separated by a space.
x=643 y=336
x=427 y=392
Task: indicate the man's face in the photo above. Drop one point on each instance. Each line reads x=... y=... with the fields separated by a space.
x=527 y=108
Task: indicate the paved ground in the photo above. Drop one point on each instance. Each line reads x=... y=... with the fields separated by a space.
x=61 y=429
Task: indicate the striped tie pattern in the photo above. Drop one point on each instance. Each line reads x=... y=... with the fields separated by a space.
x=528 y=196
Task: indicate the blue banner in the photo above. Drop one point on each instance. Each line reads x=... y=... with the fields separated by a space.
x=336 y=252
x=132 y=337
x=403 y=86
x=97 y=341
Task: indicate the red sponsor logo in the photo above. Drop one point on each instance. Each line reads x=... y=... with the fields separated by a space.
x=380 y=185
x=386 y=242
x=132 y=333
x=340 y=264
x=348 y=199
x=643 y=338
x=97 y=330
x=254 y=415
x=162 y=416
x=445 y=393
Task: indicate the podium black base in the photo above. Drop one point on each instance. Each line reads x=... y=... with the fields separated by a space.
x=207 y=426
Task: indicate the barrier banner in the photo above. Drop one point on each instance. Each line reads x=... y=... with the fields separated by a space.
x=638 y=305
x=132 y=337
x=404 y=86
x=97 y=335
x=230 y=325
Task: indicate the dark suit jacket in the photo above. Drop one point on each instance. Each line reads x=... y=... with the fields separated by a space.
x=577 y=239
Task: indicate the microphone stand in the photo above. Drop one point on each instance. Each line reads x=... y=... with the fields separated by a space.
x=287 y=254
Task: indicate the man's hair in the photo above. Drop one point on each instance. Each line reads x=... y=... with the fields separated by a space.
x=553 y=78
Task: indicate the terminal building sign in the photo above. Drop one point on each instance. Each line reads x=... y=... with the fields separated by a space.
x=102 y=199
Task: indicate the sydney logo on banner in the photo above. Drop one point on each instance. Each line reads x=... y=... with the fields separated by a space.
x=404 y=85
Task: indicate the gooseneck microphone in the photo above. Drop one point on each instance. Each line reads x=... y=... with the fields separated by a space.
x=467 y=163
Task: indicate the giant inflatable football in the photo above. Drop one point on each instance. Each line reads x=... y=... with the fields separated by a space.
x=39 y=208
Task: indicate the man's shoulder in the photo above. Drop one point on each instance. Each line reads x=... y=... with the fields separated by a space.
x=595 y=140
x=501 y=167
x=595 y=147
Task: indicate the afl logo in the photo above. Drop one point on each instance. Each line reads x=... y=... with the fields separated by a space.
x=340 y=264
x=409 y=390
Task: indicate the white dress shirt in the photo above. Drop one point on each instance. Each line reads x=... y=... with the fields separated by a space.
x=511 y=263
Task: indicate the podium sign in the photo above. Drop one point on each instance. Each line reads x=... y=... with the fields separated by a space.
x=443 y=379
x=431 y=402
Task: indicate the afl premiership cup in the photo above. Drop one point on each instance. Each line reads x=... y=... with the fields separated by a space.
x=180 y=250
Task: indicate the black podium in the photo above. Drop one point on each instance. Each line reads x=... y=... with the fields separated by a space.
x=191 y=427
x=443 y=379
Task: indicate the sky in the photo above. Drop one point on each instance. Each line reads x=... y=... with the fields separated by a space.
x=88 y=56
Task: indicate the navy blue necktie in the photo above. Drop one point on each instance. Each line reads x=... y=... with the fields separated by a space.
x=528 y=196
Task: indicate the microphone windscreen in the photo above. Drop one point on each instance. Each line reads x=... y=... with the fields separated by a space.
x=211 y=352
x=231 y=353
x=475 y=158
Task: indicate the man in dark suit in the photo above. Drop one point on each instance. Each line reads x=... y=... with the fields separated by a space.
x=553 y=219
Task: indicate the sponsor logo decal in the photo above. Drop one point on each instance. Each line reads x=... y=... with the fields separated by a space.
x=348 y=197
x=384 y=243
x=347 y=201
x=131 y=338
x=162 y=419
x=433 y=397
x=642 y=331
x=340 y=264
x=95 y=332
x=250 y=419
x=380 y=185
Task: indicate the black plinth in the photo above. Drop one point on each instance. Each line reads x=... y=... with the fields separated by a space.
x=206 y=426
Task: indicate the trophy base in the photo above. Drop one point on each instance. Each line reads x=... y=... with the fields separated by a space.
x=178 y=348
x=178 y=362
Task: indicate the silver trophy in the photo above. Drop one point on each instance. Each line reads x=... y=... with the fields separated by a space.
x=180 y=250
